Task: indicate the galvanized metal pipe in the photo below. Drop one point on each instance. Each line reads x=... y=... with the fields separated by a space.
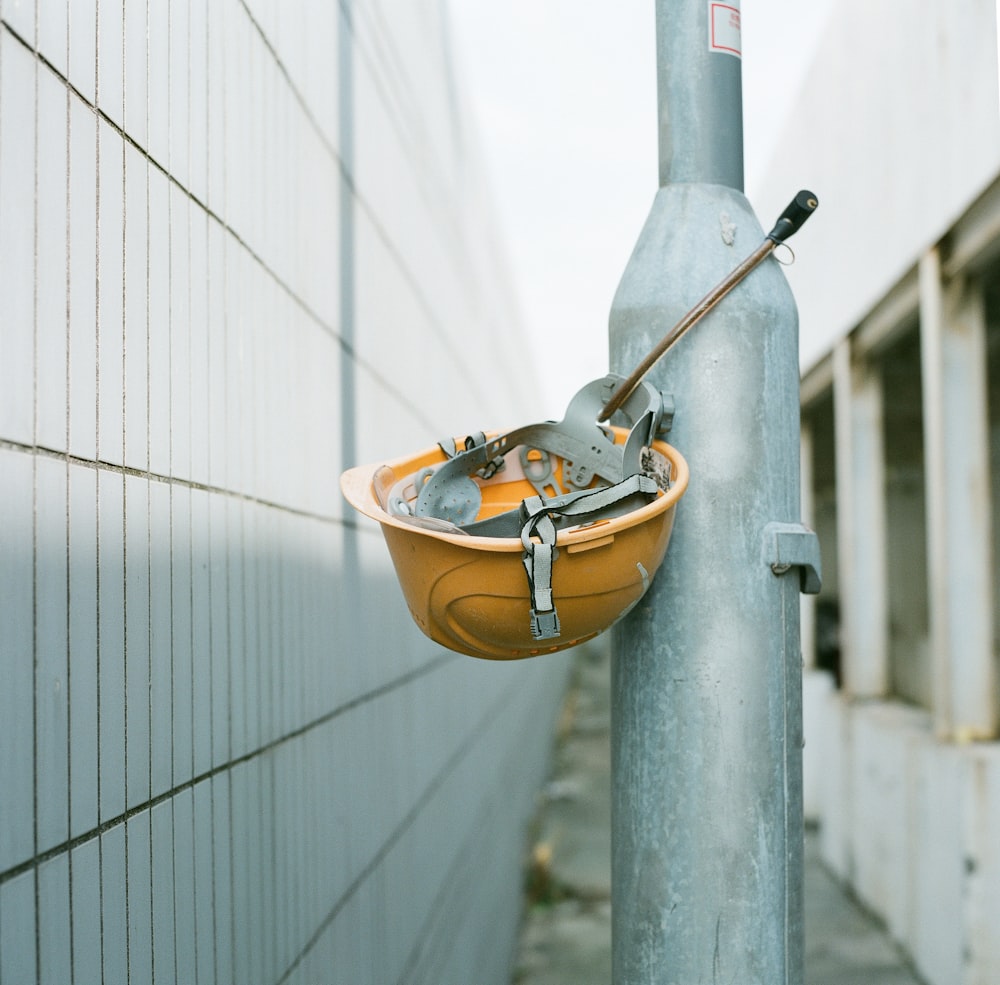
x=700 y=93
x=706 y=680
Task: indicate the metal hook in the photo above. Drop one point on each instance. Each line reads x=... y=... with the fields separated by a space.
x=791 y=255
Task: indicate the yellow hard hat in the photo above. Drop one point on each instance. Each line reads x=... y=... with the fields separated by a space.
x=517 y=544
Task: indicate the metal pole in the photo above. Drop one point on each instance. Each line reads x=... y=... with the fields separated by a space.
x=706 y=679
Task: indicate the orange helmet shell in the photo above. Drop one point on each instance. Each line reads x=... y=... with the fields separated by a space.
x=469 y=593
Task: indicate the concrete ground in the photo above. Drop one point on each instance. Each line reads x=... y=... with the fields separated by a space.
x=566 y=937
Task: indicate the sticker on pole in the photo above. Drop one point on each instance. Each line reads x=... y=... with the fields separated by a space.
x=724 y=28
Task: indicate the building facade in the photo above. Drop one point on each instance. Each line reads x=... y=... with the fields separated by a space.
x=244 y=246
x=897 y=129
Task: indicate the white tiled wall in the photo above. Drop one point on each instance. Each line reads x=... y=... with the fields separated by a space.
x=224 y=757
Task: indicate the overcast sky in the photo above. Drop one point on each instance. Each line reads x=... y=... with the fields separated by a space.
x=564 y=92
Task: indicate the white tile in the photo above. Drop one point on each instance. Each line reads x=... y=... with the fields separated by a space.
x=290 y=573
x=287 y=400
x=318 y=356
x=198 y=105
x=278 y=124
x=83 y=46
x=216 y=355
x=220 y=598
x=160 y=686
x=343 y=942
x=180 y=632
x=236 y=285
x=290 y=427
x=86 y=913
x=222 y=878
x=163 y=891
x=205 y=884
x=268 y=621
x=83 y=279
x=180 y=334
x=159 y=323
x=320 y=56
x=219 y=49
x=136 y=116
x=243 y=809
x=184 y=887
x=267 y=917
x=136 y=377
x=83 y=647
x=20 y=16
x=54 y=922
x=52 y=260
x=238 y=603
x=252 y=616
x=235 y=87
x=269 y=24
x=111 y=643
x=51 y=648
x=140 y=904
x=261 y=391
x=258 y=846
x=137 y=640
x=110 y=264
x=114 y=913
x=180 y=95
x=254 y=398
x=302 y=822
x=308 y=589
x=260 y=224
x=17 y=246
x=53 y=20
x=202 y=683
x=324 y=618
x=17 y=923
x=158 y=81
x=110 y=63
x=17 y=776
x=282 y=798
x=322 y=881
x=199 y=329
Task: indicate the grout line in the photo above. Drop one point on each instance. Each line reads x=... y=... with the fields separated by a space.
x=65 y=458
x=125 y=512
x=412 y=408
x=97 y=446
x=100 y=465
x=226 y=768
x=170 y=321
x=210 y=552
x=459 y=753
x=34 y=517
x=149 y=515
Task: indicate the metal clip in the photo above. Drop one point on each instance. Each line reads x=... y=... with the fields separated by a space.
x=666 y=415
x=794 y=545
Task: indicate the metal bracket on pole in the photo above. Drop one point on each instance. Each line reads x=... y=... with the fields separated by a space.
x=794 y=545
x=666 y=414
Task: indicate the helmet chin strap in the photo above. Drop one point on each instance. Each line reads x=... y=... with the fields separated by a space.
x=541 y=517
